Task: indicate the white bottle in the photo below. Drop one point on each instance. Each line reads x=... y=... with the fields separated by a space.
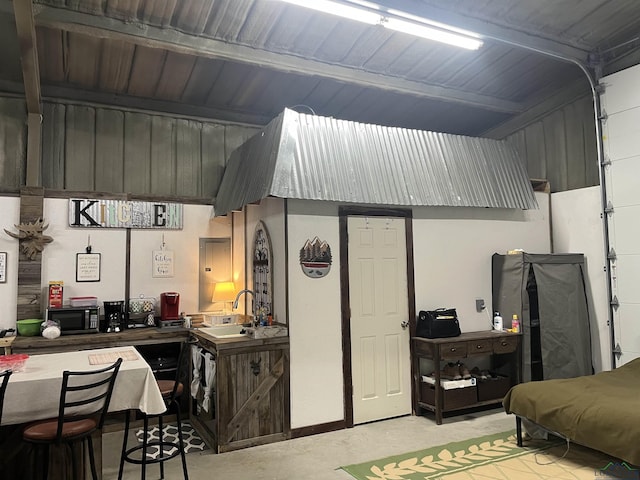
x=497 y=322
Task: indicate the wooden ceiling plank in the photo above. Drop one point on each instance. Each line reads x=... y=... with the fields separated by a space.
x=25 y=26
x=179 y=42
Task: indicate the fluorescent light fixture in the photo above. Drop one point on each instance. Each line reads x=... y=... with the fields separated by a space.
x=339 y=9
x=372 y=14
x=431 y=33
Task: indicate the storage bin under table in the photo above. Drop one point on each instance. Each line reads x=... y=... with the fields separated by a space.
x=493 y=388
x=452 y=399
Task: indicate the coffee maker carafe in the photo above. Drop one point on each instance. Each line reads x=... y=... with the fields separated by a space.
x=113 y=316
x=169 y=306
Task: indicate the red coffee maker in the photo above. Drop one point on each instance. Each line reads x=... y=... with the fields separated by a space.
x=169 y=306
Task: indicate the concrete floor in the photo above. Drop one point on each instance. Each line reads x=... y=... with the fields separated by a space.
x=317 y=457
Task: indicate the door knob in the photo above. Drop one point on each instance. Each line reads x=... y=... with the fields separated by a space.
x=404 y=324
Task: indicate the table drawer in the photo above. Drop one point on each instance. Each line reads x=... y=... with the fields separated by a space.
x=423 y=349
x=505 y=344
x=480 y=347
x=453 y=350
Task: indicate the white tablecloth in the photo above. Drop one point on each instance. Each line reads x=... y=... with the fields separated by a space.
x=34 y=393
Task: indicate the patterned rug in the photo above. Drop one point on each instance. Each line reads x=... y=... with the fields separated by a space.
x=497 y=457
x=192 y=441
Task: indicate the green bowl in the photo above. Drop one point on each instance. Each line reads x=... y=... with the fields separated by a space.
x=29 y=327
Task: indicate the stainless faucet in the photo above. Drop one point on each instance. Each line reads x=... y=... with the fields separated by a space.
x=246 y=290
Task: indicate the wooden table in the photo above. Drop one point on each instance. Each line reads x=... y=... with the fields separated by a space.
x=34 y=393
x=504 y=349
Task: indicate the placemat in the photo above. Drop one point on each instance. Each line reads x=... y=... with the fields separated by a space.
x=110 y=357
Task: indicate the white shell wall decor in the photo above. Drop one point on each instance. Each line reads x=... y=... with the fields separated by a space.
x=315 y=258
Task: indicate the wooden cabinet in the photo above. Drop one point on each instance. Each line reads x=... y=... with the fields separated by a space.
x=503 y=350
x=250 y=402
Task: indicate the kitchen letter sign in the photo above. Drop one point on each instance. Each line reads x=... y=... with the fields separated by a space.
x=162 y=263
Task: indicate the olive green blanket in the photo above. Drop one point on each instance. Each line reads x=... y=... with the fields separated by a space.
x=599 y=411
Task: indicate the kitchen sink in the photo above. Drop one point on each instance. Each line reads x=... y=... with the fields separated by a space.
x=225 y=331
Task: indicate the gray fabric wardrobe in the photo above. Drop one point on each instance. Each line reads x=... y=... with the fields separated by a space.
x=547 y=292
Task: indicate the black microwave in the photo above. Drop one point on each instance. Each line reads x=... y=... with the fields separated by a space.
x=74 y=320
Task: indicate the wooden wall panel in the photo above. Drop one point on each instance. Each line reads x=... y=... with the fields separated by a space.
x=163 y=155
x=13 y=138
x=554 y=129
x=89 y=148
x=53 y=145
x=188 y=152
x=80 y=122
x=109 y=150
x=213 y=158
x=561 y=147
x=137 y=153
x=30 y=271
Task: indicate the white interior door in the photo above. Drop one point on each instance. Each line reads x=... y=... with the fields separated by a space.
x=380 y=359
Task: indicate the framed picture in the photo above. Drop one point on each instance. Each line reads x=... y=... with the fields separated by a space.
x=3 y=267
x=162 y=263
x=87 y=267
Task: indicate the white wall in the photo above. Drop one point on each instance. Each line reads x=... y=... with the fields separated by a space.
x=452 y=259
x=453 y=248
x=577 y=228
x=58 y=259
x=315 y=322
x=9 y=217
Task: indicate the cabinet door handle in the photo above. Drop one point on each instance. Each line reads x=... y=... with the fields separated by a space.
x=453 y=349
x=255 y=366
x=504 y=344
x=479 y=347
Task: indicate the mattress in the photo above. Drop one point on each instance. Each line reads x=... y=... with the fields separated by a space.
x=599 y=411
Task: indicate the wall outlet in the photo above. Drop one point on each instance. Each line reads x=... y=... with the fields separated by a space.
x=480 y=306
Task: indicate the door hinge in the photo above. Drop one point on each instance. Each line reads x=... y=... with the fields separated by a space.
x=612 y=254
x=615 y=303
x=617 y=351
x=609 y=208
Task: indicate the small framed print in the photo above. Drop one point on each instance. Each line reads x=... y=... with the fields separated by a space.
x=162 y=263
x=3 y=267
x=87 y=267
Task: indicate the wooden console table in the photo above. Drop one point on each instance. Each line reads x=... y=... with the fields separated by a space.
x=88 y=341
x=504 y=348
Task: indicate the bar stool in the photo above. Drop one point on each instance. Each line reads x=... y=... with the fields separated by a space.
x=171 y=391
x=88 y=392
x=3 y=388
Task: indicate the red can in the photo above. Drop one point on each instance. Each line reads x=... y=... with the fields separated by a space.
x=55 y=294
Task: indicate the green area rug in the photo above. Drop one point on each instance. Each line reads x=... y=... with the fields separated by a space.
x=496 y=457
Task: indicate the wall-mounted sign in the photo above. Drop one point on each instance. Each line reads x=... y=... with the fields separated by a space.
x=162 y=264
x=87 y=267
x=124 y=214
x=315 y=258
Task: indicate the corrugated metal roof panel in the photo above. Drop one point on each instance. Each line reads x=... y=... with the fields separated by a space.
x=321 y=158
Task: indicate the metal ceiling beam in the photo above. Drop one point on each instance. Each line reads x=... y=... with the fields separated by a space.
x=172 y=40
x=128 y=102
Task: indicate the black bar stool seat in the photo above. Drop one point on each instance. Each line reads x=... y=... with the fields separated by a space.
x=171 y=391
